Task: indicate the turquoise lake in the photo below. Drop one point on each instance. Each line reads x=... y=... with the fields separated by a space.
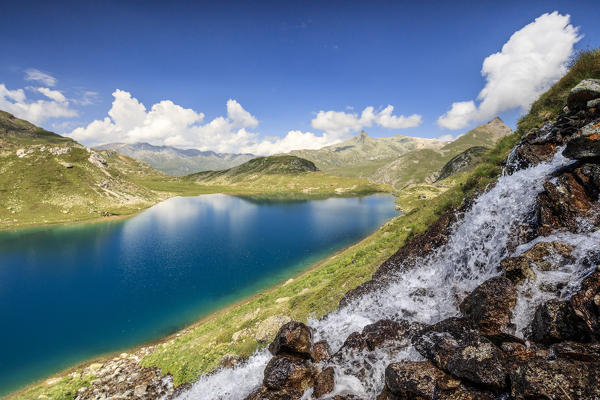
x=70 y=293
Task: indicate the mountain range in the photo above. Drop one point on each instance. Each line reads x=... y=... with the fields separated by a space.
x=178 y=162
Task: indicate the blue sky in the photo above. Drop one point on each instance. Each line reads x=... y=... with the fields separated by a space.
x=277 y=63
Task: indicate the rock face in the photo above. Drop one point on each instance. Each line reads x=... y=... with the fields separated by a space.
x=544 y=256
x=555 y=379
x=568 y=201
x=490 y=305
x=586 y=145
x=586 y=305
x=454 y=346
x=580 y=95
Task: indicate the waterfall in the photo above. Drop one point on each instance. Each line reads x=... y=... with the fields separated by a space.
x=429 y=291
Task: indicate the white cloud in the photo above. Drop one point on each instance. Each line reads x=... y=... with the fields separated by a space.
x=530 y=62
x=52 y=94
x=167 y=123
x=342 y=124
x=33 y=74
x=36 y=111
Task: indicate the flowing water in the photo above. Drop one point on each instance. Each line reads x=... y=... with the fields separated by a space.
x=428 y=292
x=69 y=293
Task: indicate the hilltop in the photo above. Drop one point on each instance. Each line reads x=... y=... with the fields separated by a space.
x=175 y=161
x=424 y=165
x=48 y=178
x=399 y=160
x=282 y=176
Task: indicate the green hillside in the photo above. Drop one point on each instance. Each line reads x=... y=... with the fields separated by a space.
x=47 y=178
x=282 y=176
x=424 y=165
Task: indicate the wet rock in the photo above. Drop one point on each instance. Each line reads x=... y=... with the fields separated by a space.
x=568 y=201
x=324 y=383
x=321 y=351
x=586 y=144
x=384 y=331
x=576 y=351
x=516 y=351
x=555 y=379
x=353 y=343
x=554 y=321
x=269 y=327
x=264 y=393
x=293 y=338
x=490 y=305
x=455 y=347
x=545 y=256
x=586 y=304
x=584 y=91
x=288 y=373
x=420 y=379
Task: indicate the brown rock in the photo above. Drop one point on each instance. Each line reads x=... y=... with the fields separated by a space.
x=576 y=351
x=384 y=331
x=418 y=379
x=324 y=383
x=585 y=145
x=288 y=373
x=545 y=256
x=586 y=304
x=455 y=347
x=294 y=338
x=490 y=305
x=321 y=351
x=555 y=379
x=567 y=202
x=554 y=321
x=264 y=393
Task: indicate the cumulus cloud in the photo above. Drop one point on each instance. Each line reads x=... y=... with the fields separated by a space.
x=36 y=75
x=167 y=123
x=529 y=63
x=341 y=124
x=36 y=111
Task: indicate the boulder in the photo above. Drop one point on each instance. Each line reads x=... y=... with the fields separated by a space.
x=586 y=144
x=576 y=351
x=555 y=379
x=264 y=393
x=384 y=331
x=455 y=347
x=568 y=200
x=554 y=321
x=545 y=256
x=584 y=91
x=321 y=351
x=586 y=304
x=418 y=379
x=324 y=383
x=490 y=305
x=288 y=373
x=293 y=338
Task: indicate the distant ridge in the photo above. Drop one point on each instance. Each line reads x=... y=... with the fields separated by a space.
x=175 y=161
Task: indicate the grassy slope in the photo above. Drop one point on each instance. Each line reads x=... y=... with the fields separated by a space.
x=39 y=188
x=419 y=165
x=199 y=348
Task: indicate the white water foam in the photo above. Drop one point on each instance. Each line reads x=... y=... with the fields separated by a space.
x=432 y=290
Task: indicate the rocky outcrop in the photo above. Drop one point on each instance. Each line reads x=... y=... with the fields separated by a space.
x=489 y=306
x=545 y=256
x=293 y=339
x=583 y=93
x=570 y=199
